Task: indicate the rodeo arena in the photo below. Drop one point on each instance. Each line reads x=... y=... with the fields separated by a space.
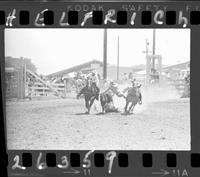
x=96 y=105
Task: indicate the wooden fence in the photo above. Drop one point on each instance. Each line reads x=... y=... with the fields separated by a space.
x=18 y=86
x=39 y=89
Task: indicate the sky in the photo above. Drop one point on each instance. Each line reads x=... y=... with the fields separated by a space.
x=52 y=50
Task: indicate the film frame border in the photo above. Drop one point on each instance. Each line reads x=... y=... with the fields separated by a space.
x=182 y=159
x=124 y=15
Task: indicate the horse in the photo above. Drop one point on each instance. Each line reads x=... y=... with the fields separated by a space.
x=90 y=94
x=133 y=97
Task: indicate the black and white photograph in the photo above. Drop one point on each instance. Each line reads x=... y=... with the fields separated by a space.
x=97 y=89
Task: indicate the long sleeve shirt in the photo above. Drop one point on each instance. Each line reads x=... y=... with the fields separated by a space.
x=114 y=88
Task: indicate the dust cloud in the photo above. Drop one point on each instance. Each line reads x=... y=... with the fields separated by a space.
x=150 y=95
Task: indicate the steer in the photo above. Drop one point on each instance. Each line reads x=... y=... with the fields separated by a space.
x=106 y=101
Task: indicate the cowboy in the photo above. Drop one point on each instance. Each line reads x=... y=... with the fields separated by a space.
x=135 y=84
x=93 y=78
x=114 y=87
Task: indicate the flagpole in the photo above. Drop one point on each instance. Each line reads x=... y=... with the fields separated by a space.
x=154 y=48
x=105 y=54
x=118 y=58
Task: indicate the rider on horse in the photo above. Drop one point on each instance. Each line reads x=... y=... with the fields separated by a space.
x=93 y=78
x=135 y=84
x=90 y=92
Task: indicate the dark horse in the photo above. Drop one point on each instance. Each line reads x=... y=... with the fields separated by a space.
x=133 y=97
x=90 y=93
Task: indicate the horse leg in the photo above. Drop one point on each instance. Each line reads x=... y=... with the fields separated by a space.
x=132 y=109
x=91 y=103
x=132 y=104
x=87 y=105
x=102 y=103
x=125 y=108
x=103 y=108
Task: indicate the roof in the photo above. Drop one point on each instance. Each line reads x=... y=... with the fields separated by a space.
x=179 y=66
x=142 y=72
x=75 y=68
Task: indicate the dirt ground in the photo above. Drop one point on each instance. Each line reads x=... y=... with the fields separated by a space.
x=160 y=123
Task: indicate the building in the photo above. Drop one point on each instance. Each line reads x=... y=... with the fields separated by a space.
x=84 y=67
x=98 y=66
x=177 y=71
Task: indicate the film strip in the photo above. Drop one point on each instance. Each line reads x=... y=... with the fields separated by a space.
x=22 y=157
x=160 y=16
